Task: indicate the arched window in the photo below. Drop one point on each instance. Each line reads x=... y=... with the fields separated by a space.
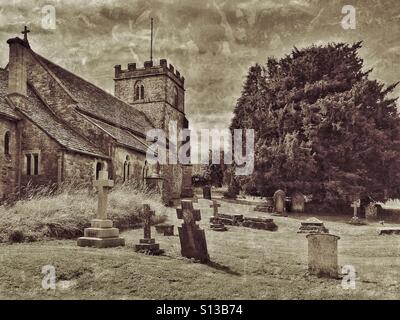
x=7 y=143
x=139 y=91
x=142 y=92
x=127 y=169
x=145 y=171
x=99 y=166
x=176 y=97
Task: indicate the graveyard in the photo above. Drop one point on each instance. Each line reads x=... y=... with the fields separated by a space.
x=243 y=262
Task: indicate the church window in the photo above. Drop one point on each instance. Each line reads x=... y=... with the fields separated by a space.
x=142 y=92
x=139 y=91
x=127 y=169
x=99 y=166
x=32 y=164
x=7 y=143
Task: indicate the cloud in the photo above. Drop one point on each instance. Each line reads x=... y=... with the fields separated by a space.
x=211 y=42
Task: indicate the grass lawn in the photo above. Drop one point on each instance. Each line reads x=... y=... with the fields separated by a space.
x=246 y=264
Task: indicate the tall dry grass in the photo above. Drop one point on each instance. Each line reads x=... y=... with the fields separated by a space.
x=63 y=213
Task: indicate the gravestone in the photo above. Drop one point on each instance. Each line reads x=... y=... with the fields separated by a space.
x=260 y=223
x=207 y=192
x=355 y=220
x=192 y=238
x=389 y=231
x=101 y=234
x=312 y=225
x=147 y=244
x=279 y=202
x=323 y=255
x=297 y=202
x=215 y=223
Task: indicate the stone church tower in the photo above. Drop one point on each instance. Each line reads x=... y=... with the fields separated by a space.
x=159 y=92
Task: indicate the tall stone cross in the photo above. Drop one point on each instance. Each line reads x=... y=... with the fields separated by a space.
x=355 y=205
x=215 y=205
x=147 y=214
x=25 y=33
x=103 y=186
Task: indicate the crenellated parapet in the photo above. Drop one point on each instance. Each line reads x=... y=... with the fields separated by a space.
x=149 y=69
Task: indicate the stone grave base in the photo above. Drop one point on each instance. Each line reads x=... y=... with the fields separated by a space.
x=230 y=219
x=100 y=242
x=166 y=229
x=356 y=221
x=217 y=225
x=101 y=234
x=263 y=208
x=312 y=225
x=389 y=231
x=279 y=214
x=260 y=223
x=148 y=246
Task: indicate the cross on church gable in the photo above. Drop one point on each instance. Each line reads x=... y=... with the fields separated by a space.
x=25 y=32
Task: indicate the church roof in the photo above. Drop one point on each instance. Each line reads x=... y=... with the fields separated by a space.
x=48 y=122
x=5 y=109
x=122 y=136
x=98 y=102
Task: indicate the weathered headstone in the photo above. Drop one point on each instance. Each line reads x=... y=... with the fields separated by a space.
x=192 y=238
x=298 y=202
x=101 y=234
x=215 y=223
x=312 y=225
x=207 y=192
x=279 y=202
x=323 y=255
x=147 y=244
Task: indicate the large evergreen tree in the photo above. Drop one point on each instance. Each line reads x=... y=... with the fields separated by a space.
x=322 y=127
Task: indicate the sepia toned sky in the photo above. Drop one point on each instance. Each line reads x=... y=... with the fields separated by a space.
x=211 y=42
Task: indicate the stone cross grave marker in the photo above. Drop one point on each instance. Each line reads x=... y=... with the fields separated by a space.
x=103 y=186
x=355 y=204
x=216 y=223
x=147 y=244
x=355 y=220
x=192 y=238
x=215 y=205
x=101 y=234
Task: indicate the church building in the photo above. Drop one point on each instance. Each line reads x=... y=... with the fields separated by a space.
x=56 y=127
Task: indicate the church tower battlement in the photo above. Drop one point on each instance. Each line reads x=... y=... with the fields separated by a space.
x=156 y=90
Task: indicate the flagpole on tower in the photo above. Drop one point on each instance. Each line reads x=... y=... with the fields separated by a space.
x=151 y=41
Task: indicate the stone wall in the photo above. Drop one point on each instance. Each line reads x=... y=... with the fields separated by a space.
x=9 y=163
x=78 y=168
x=34 y=140
x=136 y=160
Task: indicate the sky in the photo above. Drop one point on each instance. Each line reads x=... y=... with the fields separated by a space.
x=211 y=42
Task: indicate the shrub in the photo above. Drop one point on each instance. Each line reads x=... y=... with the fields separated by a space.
x=64 y=213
